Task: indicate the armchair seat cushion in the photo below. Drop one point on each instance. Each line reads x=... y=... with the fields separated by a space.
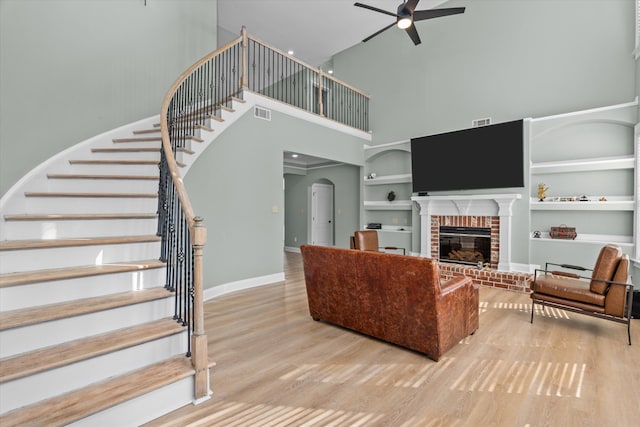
x=571 y=303
x=568 y=290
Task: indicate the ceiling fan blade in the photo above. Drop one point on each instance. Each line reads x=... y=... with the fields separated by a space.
x=413 y=33
x=379 y=31
x=375 y=9
x=411 y=5
x=420 y=15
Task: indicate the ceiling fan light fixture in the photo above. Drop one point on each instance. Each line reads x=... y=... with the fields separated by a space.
x=404 y=23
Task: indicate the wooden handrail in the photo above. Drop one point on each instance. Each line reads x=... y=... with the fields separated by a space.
x=166 y=142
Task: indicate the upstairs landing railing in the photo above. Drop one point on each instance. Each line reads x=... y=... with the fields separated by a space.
x=194 y=102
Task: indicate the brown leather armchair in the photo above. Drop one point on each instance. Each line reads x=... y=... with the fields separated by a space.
x=605 y=292
x=367 y=240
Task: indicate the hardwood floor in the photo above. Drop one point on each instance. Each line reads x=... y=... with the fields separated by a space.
x=276 y=366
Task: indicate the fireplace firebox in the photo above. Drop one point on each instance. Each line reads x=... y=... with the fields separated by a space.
x=465 y=245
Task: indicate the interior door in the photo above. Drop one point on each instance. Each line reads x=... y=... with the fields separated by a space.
x=322 y=214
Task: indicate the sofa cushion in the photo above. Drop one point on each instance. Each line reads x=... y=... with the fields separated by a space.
x=568 y=289
x=605 y=268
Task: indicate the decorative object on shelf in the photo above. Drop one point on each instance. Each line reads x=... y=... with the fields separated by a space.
x=583 y=198
x=374 y=226
x=372 y=175
x=391 y=196
x=563 y=232
x=542 y=191
x=537 y=234
x=602 y=199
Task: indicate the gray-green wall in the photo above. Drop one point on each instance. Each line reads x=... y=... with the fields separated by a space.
x=72 y=69
x=504 y=59
x=237 y=186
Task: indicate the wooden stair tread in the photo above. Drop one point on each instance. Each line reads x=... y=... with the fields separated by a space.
x=114 y=162
x=43 y=359
x=45 y=313
x=80 y=194
x=9 y=245
x=27 y=277
x=144 y=131
x=89 y=176
x=64 y=409
x=138 y=139
x=126 y=150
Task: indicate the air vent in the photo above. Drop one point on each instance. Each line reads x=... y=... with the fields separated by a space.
x=481 y=122
x=262 y=113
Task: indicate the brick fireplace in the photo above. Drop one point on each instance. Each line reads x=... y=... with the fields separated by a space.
x=492 y=211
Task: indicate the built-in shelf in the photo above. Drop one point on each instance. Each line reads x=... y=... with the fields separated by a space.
x=585 y=165
x=611 y=204
x=389 y=179
x=600 y=239
x=381 y=205
x=393 y=228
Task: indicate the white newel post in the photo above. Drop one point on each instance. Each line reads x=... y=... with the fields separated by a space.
x=469 y=205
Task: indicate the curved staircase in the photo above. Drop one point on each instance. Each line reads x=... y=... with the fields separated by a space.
x=87 y=333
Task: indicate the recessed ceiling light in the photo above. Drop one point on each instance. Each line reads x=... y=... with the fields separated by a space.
x=294 y=155
x=330 y=71
x=290 y=52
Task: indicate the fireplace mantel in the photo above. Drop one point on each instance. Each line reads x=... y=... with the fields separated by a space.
x=468 y=205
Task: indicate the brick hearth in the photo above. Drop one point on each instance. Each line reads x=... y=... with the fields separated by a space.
x=519 y=282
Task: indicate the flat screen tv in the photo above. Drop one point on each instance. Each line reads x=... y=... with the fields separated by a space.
x=484 y=157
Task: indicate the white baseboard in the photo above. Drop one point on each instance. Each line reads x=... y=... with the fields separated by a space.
x=253 y=282
x=292 y=249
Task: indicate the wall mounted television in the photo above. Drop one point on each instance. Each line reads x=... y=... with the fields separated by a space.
x=484 y=157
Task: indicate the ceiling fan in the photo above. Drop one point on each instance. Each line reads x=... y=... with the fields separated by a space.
x=407 y=15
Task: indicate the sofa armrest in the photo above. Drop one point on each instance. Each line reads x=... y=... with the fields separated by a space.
x=614 y=303
x=457 y=312
x=454 y=283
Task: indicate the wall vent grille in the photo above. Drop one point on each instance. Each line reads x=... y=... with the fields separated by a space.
x=481 y=122
x=262 y=113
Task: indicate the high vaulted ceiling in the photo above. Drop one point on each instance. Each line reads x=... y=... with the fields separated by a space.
x=314 y=30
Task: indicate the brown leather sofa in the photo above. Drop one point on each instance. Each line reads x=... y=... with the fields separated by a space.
x=605 y=293
x=395 y=298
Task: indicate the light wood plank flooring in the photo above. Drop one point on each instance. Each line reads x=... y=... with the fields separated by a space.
x=275 y=366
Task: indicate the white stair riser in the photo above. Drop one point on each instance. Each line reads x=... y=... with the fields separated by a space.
x=28 y=338
x=46 y=205
x=61 y=229
x=203 y=134
x=127 y=155
x=116 y=169
x=43 y=385
x=145 y=408
x=103 y=185
x=40 y=259
x=41 y=293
